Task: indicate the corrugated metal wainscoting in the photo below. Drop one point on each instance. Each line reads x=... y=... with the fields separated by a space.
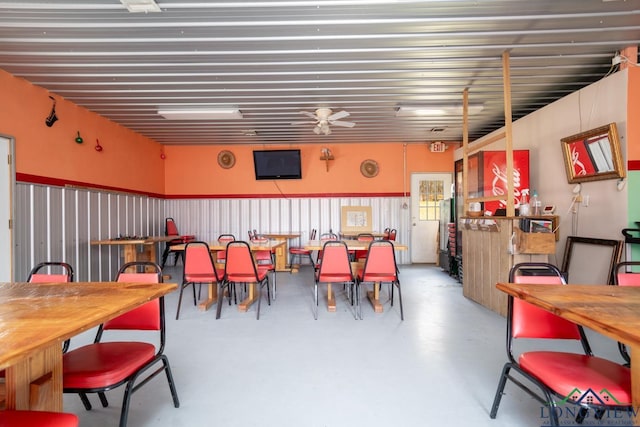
x=208 y=218
x=58 y=223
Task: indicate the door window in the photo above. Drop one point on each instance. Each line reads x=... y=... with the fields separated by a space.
x=431 y=192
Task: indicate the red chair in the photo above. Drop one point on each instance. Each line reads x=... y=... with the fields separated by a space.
x=198 y=267
x=558 y=375
x=223 y=239
x=386 y=233
x=105 y=365
x=11 y=418
x=55 y=272
x=392 y=234
x=241 y=268
x=626 y=276
x=299 y=251
x=324 y=237
x=265 y=260
x=171 y=229
x=379 y=267
x=334 y=268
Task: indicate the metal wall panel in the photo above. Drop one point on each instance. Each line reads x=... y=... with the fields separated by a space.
x=54 y=223
x=22 y=231
x=208 y=218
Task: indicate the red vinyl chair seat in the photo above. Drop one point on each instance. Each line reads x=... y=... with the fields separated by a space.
x=12 y=418
x=104 y=364
x=182 y=240
x=299 y=251
x=205 y=277
x=334 y=277
x=564 y=372
x=375 y=277
x=249 y=278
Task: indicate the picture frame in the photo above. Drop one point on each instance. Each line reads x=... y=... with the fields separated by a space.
x=356 y=219
x=593 y=155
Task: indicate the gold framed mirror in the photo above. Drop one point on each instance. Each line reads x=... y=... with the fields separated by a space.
x=593 y=155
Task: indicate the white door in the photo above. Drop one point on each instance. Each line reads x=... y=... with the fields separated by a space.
x=427 y=190
x=6 y=193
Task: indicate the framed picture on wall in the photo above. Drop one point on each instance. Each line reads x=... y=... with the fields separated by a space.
x=356 y=219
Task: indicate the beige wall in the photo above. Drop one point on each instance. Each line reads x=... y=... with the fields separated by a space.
x=540 y=132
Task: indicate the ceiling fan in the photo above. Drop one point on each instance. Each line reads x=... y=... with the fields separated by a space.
x=323 y=118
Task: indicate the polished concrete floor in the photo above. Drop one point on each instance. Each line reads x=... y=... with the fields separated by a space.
x=439 y=366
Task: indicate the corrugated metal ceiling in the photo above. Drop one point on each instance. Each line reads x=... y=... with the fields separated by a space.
x=273 y=59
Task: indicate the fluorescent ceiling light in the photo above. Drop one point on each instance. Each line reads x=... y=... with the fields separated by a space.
x=136 y=6
x=436 y=110
x=200 y=113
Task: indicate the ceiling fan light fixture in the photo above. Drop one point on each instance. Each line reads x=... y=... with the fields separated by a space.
x=200 y=113
x=138 y=6
x=435 y=110
x=322 y=128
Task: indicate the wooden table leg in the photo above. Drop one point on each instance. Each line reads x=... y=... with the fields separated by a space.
x=374 y=298
x=35 y=383
x=129 y=252
x=212 y=297
x=331 y=299
x=246 y=303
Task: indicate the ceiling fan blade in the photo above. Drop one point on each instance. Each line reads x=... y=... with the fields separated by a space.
x=344 y=124
x=306 y=113
x=337 y=116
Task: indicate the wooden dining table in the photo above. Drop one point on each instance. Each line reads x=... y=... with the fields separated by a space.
x=613 y=311
x=282 y=251
x=35 y=320
x=374 y=295
x=130 y=246
x=353 y=234
x=215 y=246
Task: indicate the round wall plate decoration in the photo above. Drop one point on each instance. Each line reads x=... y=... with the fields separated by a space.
x=369 y=168
x=226 y=159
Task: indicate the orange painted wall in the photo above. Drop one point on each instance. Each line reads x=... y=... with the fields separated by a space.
x=193 y=170
x=129 y=161
x=132 y=162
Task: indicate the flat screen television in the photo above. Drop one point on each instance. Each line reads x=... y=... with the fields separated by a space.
x=277 y=164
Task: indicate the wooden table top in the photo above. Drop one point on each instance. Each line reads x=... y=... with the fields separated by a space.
x=611 y=310
x=253 y=245
x=36 y=315
x=355 y=233
x=135 y=241
x=316 y=245
x=292 y=235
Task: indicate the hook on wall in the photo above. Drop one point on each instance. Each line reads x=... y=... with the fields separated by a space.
x=79 y=139
x=98 y=147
